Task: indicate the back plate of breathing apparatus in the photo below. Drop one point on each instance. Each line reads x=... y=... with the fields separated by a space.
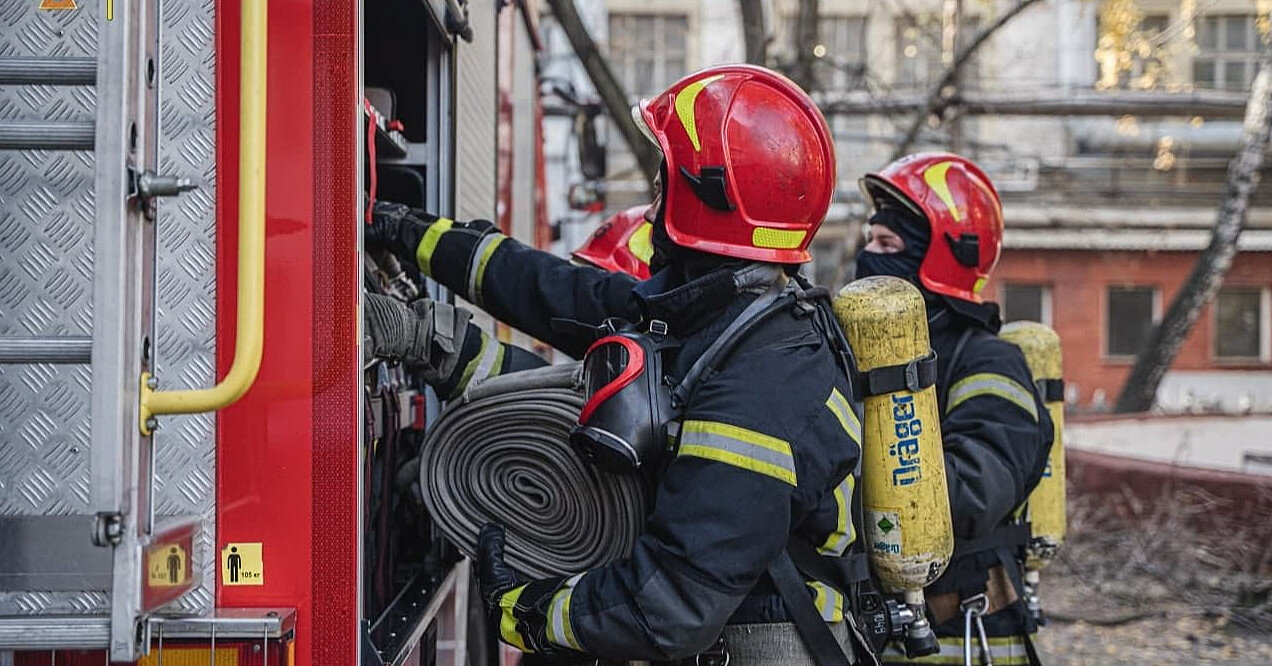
x=623 y=425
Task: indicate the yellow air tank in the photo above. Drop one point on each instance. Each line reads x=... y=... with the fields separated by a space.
x=904 y=494
x=1046 y=508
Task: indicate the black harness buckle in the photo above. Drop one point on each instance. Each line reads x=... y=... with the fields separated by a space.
x=716 y=655
x=913 y=376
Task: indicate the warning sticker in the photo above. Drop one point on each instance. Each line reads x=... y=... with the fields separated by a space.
x=884 y=530
x=166 y=565
x=242 y=564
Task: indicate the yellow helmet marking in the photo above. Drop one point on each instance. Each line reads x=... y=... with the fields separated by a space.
x=777 y=239
x=684 y=107
x=935 y=177
x=641 y=244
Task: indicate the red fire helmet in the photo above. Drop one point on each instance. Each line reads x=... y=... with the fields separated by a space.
x=621 y=243
x=964 y=213
x=750 y=163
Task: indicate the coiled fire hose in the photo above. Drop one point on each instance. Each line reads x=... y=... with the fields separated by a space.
x=500 y=453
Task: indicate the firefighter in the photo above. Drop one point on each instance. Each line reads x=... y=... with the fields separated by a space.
x=938 y=222
x=766 y=445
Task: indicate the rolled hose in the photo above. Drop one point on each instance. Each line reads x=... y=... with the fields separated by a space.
x=500 y=453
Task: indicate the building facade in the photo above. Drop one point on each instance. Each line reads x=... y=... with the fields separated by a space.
x=1105 y=214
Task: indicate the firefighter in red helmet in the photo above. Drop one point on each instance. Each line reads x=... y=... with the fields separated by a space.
x=938 y=222
x=621 y=243
x=752 y=473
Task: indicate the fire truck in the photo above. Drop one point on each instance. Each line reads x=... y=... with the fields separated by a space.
x=197 y=465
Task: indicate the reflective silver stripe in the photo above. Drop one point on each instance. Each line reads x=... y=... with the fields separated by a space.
x=481 y=255
x=829 y=601
x=842 y=409
x=739 y=447
x=490 y=352
x=991 y=384
x=844 y=533
x=559 y=630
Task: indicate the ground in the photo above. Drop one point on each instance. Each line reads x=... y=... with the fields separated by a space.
x=1146 y=587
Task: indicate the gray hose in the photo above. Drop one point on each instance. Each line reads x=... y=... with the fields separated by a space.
x=500 y=454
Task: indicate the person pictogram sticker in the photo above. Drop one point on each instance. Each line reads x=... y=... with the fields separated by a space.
x=166 y=565
x=242 y=564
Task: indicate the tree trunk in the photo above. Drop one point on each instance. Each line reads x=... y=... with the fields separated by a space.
x=607 y=86
x=807 y=35
x=1140 y=391
x=754 y=31
x=936 y=98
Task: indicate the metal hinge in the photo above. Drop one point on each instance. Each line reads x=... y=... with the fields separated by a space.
x=108 y=529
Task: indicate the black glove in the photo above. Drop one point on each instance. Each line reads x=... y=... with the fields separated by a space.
x=424 y=334
x=516 y=605
x=398 y=228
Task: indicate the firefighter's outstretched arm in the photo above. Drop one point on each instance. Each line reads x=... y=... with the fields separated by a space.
x=723 y=513
x=521 y=286
x=993 y=433
x=440 y=340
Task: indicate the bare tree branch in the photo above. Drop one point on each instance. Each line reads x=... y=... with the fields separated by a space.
x=807 y=34
x=936 y=97
x=754 y=31
x=607 y=86
x=1140 y=390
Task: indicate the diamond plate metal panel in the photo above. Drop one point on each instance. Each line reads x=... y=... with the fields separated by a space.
x=46 y=218
x=185 y=334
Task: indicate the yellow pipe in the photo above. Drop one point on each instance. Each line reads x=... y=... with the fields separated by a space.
x=250 y=327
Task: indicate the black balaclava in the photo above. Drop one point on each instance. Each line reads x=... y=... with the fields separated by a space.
x=916 y=232
x=912 y=228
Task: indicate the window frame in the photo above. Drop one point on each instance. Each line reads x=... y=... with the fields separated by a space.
x=622 y=65
x=1220 y=56
x=1106 y=318
x=1264 y=356
x=1045 y=299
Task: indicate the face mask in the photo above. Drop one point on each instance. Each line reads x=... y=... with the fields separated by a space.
x=622 y=426
x=897 y=264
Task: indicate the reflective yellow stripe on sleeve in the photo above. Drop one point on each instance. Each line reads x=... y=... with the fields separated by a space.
x=991 y=384
x=842 y=409
x=508 y=620
x=483 y=366
x=428 y=244
x=740 y=447
x=482 y=255
x=844 y=533
x=829 y=601
x=559 y=629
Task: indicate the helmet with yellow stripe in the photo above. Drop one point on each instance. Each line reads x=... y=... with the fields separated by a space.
x=621 y=243
x=963 y=210
x=750 y=163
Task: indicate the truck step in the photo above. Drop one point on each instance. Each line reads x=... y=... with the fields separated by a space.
x=49 y=71
x=44 y=349
x=48 y=135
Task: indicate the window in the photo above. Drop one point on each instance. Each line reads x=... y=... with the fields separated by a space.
x=919 y=52
x=843 y=64
x=648 y=51
x=1026 y=302
x=1241 y=324
x=1131 y=314
x=1227 y=52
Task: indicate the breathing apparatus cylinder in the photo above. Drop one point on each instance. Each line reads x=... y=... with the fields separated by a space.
x=1046 y=507
x=904 y=494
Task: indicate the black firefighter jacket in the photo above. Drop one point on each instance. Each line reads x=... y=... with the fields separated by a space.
x=996 y=434
x=766 y=449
